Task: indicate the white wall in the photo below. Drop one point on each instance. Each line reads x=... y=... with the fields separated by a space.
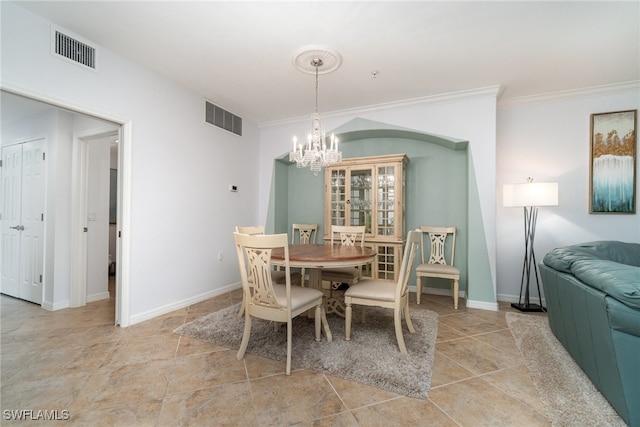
x=182 y=213
x=549 y=140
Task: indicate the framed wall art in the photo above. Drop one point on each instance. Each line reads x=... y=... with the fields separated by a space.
x=613 y=173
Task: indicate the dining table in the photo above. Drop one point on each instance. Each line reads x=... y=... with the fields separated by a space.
x=315 y=257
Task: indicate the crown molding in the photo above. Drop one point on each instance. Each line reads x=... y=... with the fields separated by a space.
x=489 y=91
x=566 y=95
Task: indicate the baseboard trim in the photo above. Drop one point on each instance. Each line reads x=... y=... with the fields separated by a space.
x=99 y=296
x=483 y=305
x=48 y=305
x=148 y=315
x=516 y=298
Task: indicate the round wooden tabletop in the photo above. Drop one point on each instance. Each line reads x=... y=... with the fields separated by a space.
x=320 y=255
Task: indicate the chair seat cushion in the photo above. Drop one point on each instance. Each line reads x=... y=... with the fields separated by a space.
x=280 y=277
x=345 y=274
x=299 y=296
x=372 y=289
x=437 y=269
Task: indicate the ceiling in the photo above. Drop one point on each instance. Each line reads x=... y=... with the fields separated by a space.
x=238 y=54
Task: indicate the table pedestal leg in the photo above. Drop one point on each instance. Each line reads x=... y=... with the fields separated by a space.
x=331 y=305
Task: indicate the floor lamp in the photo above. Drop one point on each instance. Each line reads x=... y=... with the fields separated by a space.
x=529 y=196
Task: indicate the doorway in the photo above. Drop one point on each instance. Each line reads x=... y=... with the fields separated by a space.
x=62 y=234
x=94 y=220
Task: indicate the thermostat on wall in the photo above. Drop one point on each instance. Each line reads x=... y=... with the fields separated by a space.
x=233 y=188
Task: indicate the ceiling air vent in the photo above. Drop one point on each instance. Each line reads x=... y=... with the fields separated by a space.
x=72 y=49
x=222 y=118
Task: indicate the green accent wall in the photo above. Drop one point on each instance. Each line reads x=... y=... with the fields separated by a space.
x=437 y=193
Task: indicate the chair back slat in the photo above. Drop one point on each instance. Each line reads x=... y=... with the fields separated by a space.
x=348 y=235
x=437 y=243
x=255 y=251
x=306 y=233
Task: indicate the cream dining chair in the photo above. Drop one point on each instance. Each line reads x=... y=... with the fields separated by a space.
x=437 y=264
x=276 y=276
x=304 y=234
x=380 y=293
x=346 y=236
x=266 y=300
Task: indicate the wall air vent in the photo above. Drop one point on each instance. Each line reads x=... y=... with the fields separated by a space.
x=71 y=48
x=222 y=118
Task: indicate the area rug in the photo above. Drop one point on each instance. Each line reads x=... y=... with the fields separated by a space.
x=568 y=395
x=371 y=357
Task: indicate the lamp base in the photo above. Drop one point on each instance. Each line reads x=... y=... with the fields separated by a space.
x=528 y=307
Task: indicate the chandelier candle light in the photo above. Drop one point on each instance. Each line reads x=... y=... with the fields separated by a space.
x=315 y=153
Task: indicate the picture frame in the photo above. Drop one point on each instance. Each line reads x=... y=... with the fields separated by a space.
x=612 y=170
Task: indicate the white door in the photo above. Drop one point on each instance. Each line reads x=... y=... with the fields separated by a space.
x=23 y=220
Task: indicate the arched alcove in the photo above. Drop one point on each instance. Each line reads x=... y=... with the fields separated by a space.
x=436 y=189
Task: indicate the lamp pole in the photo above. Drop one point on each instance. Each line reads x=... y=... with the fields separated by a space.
x=529 y=264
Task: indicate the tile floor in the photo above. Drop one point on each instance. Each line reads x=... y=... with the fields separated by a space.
x=75 y=360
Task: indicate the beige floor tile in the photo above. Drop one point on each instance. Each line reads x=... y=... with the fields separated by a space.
x=470 y=324
x=344 y=419
x=517 y=382
x=141 y=413
x=187 y=346
x=476 y=356
x=301 y=397
x=109 y=387
x=404 y=411
x=225 y=405
x=502 y=340
x=56 y=392
x=143 y=349
x=476 y=402
x=262 y=367
x=447 y=333
x=446 y=370
x=160 y=325
x=355 y=395
x=198 y=371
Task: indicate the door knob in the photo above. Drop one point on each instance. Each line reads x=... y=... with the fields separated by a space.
x=17 y=227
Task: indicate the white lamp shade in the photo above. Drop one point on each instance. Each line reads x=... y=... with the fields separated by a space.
x=530 y=194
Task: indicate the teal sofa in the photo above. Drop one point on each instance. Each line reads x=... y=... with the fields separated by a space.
x=592 y=294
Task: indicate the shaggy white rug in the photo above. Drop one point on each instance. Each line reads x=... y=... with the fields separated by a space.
x=569 y=396
x=371 y=357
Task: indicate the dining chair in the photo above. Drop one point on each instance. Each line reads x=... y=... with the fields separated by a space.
x=264 y=299
x=304 y=234
x=381 y=293
x=276 y=275
x=346 y=236
x=440 y=263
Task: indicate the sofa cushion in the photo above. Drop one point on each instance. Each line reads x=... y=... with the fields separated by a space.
x=561 y=259
x=619 y=281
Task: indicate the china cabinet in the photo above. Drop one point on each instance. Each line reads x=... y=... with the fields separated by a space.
x=369 y=191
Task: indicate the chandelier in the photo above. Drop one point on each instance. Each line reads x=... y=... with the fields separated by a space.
x=316 y=152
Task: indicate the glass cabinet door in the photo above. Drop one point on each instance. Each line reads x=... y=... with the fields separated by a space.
x=351 y=197
x=338 y=207
x=386 y=201
x=360 y=199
